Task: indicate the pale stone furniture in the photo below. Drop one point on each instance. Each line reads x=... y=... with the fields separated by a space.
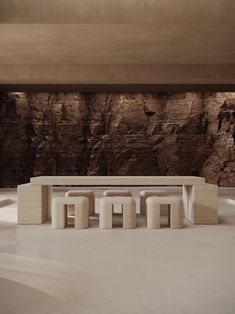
x=201 y=203
x=107 y=207
x=117 y=193
x=147 y=193
x=117 y=180
x=118 y=207
x=33 y=203
x=87 y=193
x=153 y=213
x=81 y=209
x=193 y=191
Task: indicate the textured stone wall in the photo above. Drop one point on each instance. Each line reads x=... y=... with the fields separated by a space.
x=117 y=134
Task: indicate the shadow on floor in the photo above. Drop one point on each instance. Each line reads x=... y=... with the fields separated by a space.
x=118 y=222
x=26 y=299
x=6 y=202
x=227 y=219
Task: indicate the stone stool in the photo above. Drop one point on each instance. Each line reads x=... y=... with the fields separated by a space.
x=86 y=193
x=147 y=193
x=81 y=209
x=118 y=207
x=117 y=193
x=107 y=206
x=175 y=212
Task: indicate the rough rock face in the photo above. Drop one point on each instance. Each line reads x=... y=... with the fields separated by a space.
x=117 y=134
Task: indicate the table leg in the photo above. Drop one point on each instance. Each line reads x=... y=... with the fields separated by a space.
x=201 y=203
x=33 y=203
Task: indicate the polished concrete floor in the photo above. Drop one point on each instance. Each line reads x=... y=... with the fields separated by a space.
x=190 y=270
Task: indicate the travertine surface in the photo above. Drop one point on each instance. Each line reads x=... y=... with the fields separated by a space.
x=136 y=271
x=117 y=134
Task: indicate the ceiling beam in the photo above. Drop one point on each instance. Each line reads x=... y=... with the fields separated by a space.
x=117 y=74
x=117 y=11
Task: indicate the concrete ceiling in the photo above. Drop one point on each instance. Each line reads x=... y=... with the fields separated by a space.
x=116 y=44
x=117 y=11
x=103 y=41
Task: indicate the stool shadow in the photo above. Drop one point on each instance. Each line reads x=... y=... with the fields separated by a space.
x=118 y=222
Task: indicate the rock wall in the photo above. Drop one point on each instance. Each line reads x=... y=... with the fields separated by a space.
x=117 y=134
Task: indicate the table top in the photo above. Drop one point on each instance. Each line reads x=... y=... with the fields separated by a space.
x=117 y=180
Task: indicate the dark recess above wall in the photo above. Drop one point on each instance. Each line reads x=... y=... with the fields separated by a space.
x=136 y=88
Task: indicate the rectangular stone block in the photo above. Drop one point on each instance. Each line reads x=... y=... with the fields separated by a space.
x=33 y=203
x=201 y=203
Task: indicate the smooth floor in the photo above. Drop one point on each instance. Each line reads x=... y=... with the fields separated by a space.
x=93 y=271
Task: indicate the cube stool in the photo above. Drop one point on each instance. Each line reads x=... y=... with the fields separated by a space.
x=175 y=211
x=86 y=193
x=107 y=206
x=81 y=209
x=147 y=193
